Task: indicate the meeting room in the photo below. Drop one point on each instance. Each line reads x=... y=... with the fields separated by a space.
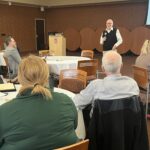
x=74 y=74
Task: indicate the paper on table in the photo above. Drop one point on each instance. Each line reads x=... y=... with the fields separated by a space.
x=6 y=87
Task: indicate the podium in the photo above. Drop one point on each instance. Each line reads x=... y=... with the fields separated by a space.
x=57 y=45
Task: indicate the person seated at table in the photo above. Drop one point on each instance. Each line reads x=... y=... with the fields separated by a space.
x=12 y=55
x=37 y=119
x=113 y=86
x=143 y=60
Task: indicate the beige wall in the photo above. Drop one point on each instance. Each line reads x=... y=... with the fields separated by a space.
x=19 y=21
x=124 y=15
x=85 y=24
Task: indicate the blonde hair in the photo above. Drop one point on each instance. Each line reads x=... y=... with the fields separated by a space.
x=145 y=47
x=33 y=73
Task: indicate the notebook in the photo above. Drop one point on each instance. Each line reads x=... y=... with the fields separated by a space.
x=7 y=87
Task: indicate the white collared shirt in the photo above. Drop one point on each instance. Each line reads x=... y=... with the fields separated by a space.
x=111 y=87
x=118 y=35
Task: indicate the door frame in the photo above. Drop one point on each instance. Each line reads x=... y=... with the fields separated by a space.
x=36 y=32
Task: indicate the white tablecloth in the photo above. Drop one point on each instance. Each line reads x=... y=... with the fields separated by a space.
x=80 y=131
x=2 y=61
x=58 y=63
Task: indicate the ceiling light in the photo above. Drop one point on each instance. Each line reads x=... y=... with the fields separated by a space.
x=9 y=3
x=42 y=8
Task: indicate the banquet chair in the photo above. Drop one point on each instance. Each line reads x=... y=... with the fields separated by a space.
x=118 y=124
x=87 y=53
x=90 y=66
x=72 y=80
x=140 y=75
x=43 y=53
x=82 y=145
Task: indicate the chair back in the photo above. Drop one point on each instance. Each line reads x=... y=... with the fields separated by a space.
x=43 y=53
x=87 y=53
x=140 y=75
x=90 y=66
x=72 y=80
x=8 y=68
x=118 y=124
x=82 y=145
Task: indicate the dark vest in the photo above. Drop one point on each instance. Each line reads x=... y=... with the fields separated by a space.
x=111 y=39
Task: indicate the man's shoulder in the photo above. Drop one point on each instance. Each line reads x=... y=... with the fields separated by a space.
x=10 y=49
x=115 y=29
x=96 y=81
x=127 y=78
x=119 y=78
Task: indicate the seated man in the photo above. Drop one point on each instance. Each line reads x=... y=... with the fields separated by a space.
x=113 y=86
x=12 y=55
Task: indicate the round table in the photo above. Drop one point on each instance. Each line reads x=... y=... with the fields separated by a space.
x=58 y=63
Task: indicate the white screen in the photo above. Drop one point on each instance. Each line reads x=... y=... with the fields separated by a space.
x=148 y=14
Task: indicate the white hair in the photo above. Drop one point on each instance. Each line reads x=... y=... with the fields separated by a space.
x=112 y=62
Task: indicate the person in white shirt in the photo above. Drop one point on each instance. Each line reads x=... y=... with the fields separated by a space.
x=110 y=37
x=113 y=86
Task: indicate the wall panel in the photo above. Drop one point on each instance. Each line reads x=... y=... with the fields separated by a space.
x=88 y=37
x=72 y=39
x=19 y=21
x=128 y=16
x=138 y=36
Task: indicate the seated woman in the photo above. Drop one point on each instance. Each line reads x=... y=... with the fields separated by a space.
x=143 y=60
x=37 y=119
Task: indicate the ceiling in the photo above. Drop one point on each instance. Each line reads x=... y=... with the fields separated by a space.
x=54 y=3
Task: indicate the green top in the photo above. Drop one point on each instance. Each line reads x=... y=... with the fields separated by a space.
x=30 y=122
